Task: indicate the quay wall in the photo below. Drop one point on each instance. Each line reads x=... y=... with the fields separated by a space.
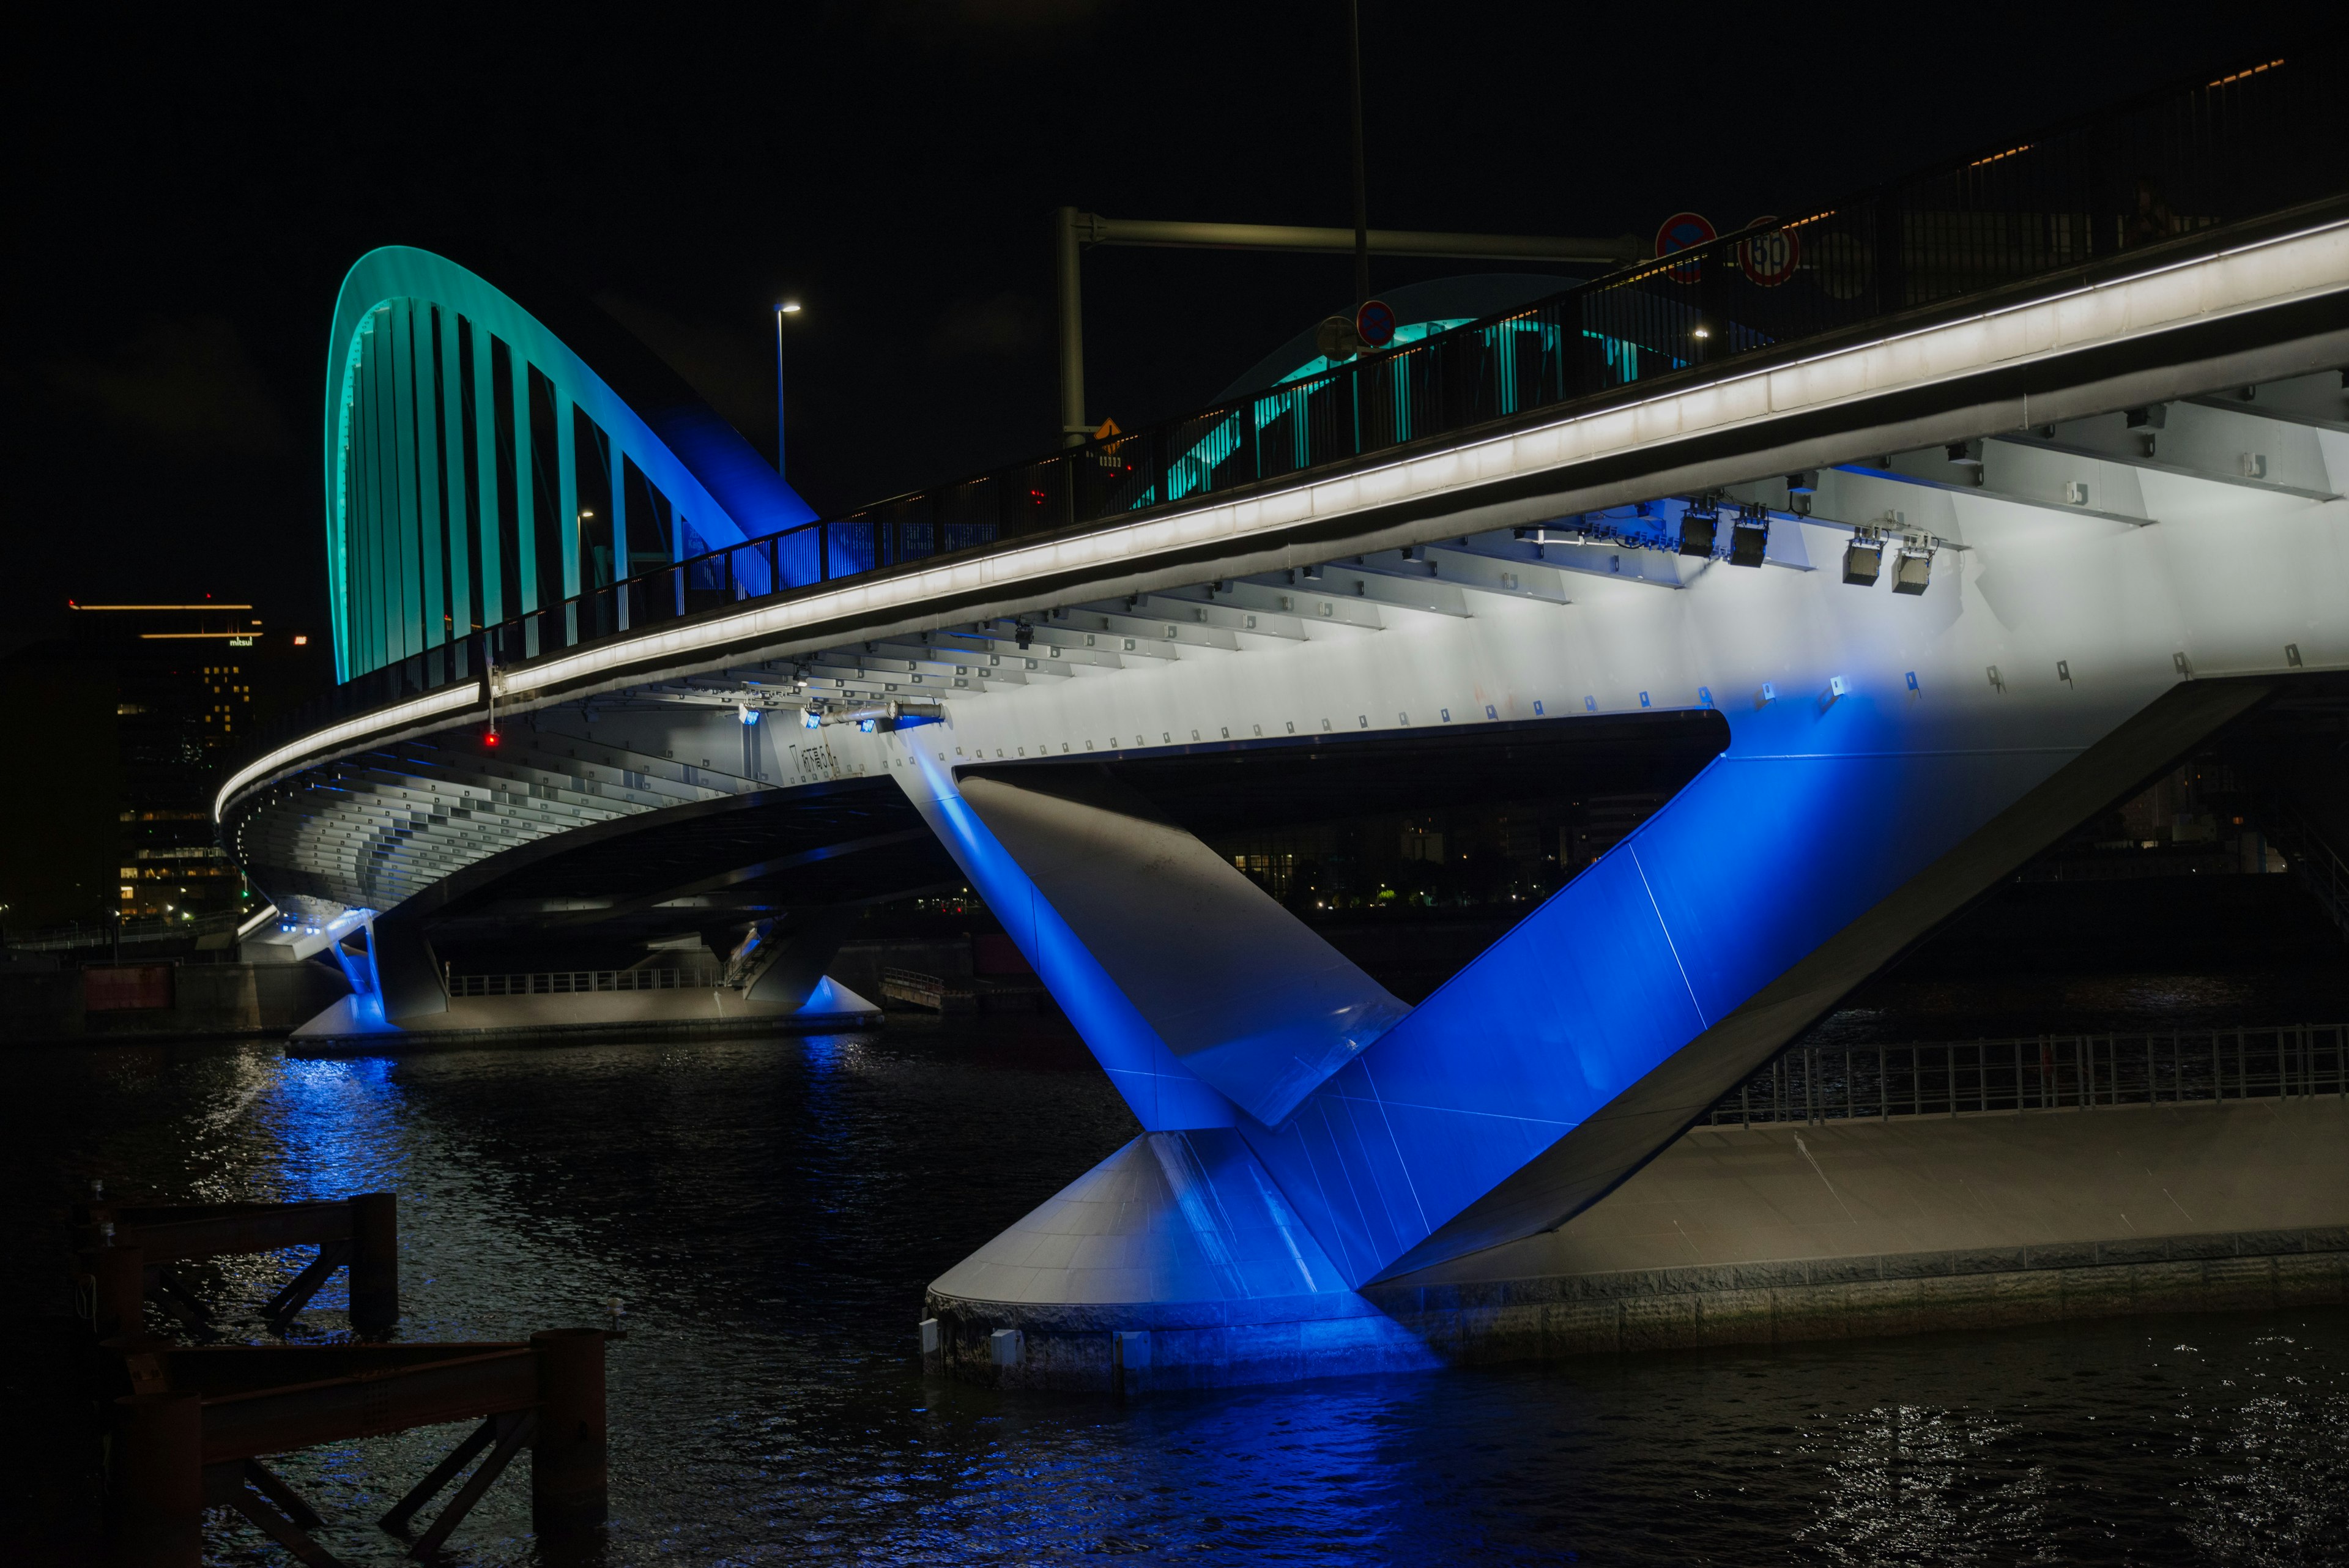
x=47 y=1005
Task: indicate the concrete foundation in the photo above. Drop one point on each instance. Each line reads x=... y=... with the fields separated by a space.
x=1841 y=1229
x=571 y=1019
x=1173 y=1263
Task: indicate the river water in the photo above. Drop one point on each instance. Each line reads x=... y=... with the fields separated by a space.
x=768 y=1213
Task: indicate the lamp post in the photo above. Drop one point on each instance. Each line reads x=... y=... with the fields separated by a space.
x=782 y=309
x=1362 y=198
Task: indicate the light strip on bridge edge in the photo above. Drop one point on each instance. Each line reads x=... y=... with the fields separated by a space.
x=447 y=700
x=2273 y=269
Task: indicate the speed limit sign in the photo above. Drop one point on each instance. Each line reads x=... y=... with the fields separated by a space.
x=1767 y=259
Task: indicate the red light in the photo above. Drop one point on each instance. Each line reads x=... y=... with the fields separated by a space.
x=491 y=739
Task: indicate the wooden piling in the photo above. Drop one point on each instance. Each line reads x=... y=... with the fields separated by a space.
x=118 y=1277
x=568 y=1482
x=375 y=1263
x=159 y=1481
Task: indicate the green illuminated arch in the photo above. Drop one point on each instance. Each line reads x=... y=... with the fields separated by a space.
x=460 y=433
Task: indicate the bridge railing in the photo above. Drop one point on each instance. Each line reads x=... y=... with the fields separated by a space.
x=2041 y=1073
x=582 y=981
x=2160 y=167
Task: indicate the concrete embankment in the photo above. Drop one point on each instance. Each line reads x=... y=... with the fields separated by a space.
x=48 y=999
x=190 y=1000
x=702 y=1012
x=1850 y=1229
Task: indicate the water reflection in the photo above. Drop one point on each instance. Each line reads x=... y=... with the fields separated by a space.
x=770 y=1211
x=1914 y=1483
x=2274 y=1483
x=337 y=1125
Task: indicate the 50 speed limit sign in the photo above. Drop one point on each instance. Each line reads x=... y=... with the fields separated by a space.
x=1768 y=259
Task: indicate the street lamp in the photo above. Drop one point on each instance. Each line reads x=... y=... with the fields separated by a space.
x=782 y=309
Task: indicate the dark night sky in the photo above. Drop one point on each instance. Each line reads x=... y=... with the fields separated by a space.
x=186 y=192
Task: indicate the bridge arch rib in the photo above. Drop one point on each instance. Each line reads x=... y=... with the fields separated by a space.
x=479 y=466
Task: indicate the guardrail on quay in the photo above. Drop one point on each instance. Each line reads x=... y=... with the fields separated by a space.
x=1811 y=1083
x=579 y=983
x=963 y=993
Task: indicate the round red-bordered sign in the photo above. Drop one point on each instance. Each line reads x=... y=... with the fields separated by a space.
x=1768 y=259
x=1680 y=231
x=1374 y=324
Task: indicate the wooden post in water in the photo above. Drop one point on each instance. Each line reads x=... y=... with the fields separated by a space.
x=568 y=1485
x=375 y=1263
x=118 y=1277
x=159 y=1481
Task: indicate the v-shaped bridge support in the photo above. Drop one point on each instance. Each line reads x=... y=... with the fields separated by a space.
x=1825 y=841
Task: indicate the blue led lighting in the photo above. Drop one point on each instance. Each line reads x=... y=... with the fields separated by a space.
x=1752 y=866
x=1163 y=1093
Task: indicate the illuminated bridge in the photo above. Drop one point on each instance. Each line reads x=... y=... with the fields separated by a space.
x=2021 y=482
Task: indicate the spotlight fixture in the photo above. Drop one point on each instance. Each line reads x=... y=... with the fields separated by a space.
x=1863 y=558
x=812 y=719
x=1916 y=565
x=744 y=712
x=1749 y=537
x=1698 y=525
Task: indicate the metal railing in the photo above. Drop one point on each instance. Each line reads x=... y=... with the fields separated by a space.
x=2253 y=141
x=132 y=933
x=571 y=983
x=1812 y=1084
x=2311 y=857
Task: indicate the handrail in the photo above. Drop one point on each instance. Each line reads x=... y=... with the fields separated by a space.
x=2312 y=855
x=2058 y=1072
x=2173 y=163
x=571 y=983
x=159 y=927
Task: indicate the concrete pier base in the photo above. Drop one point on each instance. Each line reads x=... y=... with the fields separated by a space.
x=1772 y=1235
x=578 y=1018
x=1173 y=1263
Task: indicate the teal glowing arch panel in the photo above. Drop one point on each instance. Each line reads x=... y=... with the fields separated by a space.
x=477 y=468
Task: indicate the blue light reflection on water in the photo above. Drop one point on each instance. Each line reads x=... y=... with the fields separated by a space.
x=334 y=1121
x=769 y=1211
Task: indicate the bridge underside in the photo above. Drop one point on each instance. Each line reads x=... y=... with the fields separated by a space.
x=600 y=900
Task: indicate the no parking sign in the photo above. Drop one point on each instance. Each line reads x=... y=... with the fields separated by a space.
x=1680 y=231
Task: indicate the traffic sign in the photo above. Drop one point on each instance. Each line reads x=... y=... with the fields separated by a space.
x=1683 y=230
x=1374 y=324
x=1768 y=258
